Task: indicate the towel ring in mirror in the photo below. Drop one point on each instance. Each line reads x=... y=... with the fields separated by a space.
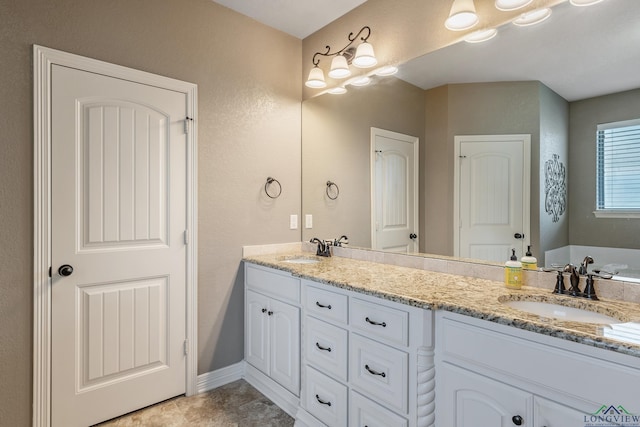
x=332 y=190
x=267 y=186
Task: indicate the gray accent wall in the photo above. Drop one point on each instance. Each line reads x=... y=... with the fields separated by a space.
x=584 y=227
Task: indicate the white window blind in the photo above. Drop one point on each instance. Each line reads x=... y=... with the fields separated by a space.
x=618 y=166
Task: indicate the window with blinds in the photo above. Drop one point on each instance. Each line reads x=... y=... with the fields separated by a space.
x=618 y=166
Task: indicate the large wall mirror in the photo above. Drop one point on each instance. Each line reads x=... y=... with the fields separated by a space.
x=554 y=81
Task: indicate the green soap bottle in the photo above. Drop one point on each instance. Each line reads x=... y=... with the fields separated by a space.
x=529 y=262
x=513 y=272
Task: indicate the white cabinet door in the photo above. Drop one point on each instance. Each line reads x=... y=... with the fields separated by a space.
x=284 y=332
x=256 y=337
x=472 y=400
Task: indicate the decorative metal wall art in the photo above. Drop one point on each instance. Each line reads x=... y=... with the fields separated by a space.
x=555 y=188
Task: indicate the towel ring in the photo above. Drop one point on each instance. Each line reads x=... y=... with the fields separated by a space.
x=331 y=185
x=266 y=188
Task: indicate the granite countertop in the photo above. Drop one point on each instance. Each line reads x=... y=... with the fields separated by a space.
x=479 y=298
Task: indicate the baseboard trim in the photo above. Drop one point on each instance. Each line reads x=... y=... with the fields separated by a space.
x=282 y=397
x=219 y=377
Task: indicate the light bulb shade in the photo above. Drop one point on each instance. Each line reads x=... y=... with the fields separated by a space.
x=584 y=2
x=360 y=81
x=339 y=68
x=506 y=5
x=533 y=17
x=481 y=35
x=364 y=57
x=316 y=78
x=462 y=16
x=339 y=90
x=387 y=70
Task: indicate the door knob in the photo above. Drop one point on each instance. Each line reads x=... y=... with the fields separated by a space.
x=65 y=270
x=518 y=236
x=413 y=236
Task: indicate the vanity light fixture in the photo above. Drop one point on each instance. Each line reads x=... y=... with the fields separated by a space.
x=387 y=70
x=338 y=90
x=532 y=17
x=508 y=5
x=481 y=35
x=316 y=78
x=462 y=15
x=360 y=81
x=584 y=2
x=362 y=57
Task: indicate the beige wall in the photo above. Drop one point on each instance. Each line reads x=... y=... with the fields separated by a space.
x=249 y=93
x=584 y=117
x=336 y=130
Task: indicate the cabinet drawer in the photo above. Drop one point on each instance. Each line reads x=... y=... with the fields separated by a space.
x=364 y=412
x=326 y=347
x=380 y=321
x=379 y=371
x=325 y=399
x=277 y=285
x=326 y=305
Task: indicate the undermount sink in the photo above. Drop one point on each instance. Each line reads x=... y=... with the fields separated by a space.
x=302 y=260
x=561 y=312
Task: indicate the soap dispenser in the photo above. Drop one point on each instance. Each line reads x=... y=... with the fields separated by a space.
x=513 y=272
x=529 y=262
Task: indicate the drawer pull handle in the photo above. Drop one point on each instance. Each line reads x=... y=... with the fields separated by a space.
x=372 y=372
x=322 y=402
x=323 y=348
x=323 y=306
x=373 y=322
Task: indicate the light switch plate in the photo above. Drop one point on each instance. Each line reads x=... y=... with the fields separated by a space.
x=293 y=222
x=308 y=221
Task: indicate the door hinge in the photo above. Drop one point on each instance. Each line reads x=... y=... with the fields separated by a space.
x=186 y=124
x=186 y=347
x=186 y=237
x=49 y=271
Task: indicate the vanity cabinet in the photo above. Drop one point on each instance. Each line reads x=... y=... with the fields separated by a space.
x=491 y=374
x=366 y=361
x=272 y=327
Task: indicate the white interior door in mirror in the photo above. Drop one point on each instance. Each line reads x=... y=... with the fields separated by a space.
x=394 y=191
x=492 y=177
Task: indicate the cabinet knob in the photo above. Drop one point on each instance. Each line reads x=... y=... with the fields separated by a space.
x=270 y=312
x=517 y=420
x=264 y=310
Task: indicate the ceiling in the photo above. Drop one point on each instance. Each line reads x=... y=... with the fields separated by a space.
x=299 y=18
x=579 y=52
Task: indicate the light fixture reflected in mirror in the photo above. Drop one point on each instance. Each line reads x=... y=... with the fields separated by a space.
x=507 y=5
x=481 y=35
x=462 y=15
x=360 y=81
x=387 y=70
x=533 y=17
x=338 y=90
x=584 y=2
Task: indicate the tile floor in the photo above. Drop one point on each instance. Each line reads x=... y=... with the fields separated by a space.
x=233 y=405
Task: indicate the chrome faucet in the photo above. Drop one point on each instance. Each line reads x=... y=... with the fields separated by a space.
x=574 y=279
x=340 y=241
x=323 y=247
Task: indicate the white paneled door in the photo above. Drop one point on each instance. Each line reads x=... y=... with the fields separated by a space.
x=118 y=245
x=394 y=192
x=492 y=196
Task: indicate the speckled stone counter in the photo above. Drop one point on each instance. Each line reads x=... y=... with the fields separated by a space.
x=469 y=296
